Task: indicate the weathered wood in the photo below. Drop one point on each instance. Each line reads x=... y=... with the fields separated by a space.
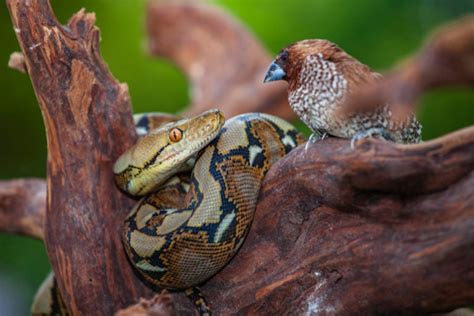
x=88 y=124
x=161 y=304
x=17 y=62
x=446 y=59
x=23 y=207
x=384 y=229
x=338 y=245
x=224 y=62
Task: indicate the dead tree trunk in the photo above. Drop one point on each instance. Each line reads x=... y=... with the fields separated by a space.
x=88 y=124
x=381 y=229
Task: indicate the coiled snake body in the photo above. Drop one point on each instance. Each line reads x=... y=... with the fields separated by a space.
x=184 y=231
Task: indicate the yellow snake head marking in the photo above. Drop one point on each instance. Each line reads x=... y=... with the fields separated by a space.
x=165 y=152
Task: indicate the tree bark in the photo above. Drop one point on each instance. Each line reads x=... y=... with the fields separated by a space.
x=23 y=207
x=88 y=123
x=382 y=229
x=446 y=59
x=224 y=62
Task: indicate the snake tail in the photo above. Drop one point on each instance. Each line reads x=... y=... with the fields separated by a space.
x=199 y=301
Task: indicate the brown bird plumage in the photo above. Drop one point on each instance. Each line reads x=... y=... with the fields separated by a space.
x=320 y=76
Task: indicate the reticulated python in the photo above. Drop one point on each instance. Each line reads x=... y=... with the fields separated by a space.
x=187 y=228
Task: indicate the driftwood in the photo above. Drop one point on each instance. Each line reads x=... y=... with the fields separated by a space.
x=381 y=229
x=88 y=123
x=447 y=59
x=161 y=304
x=223 y=61
x=23 y=207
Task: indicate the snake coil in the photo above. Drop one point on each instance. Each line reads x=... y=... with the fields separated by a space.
x=187 y=227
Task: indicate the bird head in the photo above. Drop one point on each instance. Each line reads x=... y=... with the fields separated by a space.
x=290 y=60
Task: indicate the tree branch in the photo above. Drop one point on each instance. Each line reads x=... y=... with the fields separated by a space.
x=222 y=59
x=396 y=171
x=88 y=124
x=23 y=207
x=447 y=59
x=160 y=305
x=335 y=243
x=381 y=229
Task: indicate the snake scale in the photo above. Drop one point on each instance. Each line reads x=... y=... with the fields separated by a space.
x=188 y=226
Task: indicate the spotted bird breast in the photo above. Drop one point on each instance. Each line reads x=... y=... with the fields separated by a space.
x=180 y=247
x=320 y=88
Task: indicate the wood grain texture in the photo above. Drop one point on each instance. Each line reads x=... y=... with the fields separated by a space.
x=88 y=125
x=23 y=207
x=446 y=59
x=223 y=61
x=383 y=229
x=161 y=304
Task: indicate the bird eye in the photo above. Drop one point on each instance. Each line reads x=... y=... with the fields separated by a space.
x=176 y=135
x=284 y=56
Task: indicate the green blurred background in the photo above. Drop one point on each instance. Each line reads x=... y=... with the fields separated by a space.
x=379 y=33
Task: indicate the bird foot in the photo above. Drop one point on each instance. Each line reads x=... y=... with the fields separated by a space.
x=371 y=132
x=316 y=136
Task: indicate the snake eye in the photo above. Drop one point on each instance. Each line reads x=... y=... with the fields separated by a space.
x=176 y=135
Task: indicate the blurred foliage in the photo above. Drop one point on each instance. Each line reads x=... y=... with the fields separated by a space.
x=379 y=33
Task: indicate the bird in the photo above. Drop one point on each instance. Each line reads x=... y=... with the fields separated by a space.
x=320 y=77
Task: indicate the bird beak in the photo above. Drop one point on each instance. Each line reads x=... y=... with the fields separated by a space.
x=275 y=72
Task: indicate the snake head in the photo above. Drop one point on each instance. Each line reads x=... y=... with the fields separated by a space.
x=164 y=152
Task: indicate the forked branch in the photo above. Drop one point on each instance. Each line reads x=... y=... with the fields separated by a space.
x=88 y=122
x=224 y=62
x=381 y=229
